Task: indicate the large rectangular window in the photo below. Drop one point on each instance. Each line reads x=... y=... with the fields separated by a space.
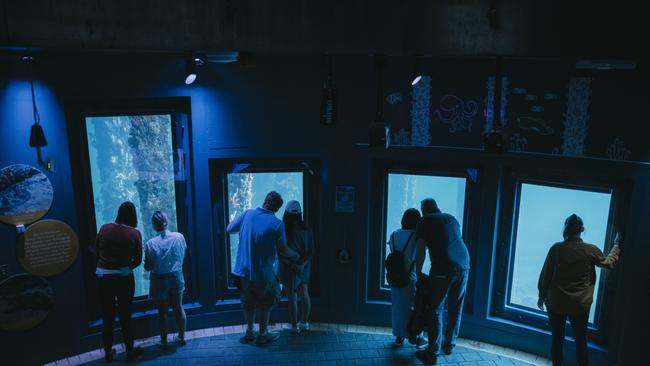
x=131 y=159
x=408 y=190
x=540 y=217
x=247 y=190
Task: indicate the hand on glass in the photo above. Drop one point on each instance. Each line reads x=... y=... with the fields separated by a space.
x=540 y=304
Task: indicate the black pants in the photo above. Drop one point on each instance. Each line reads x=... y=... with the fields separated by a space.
x=451 y=287
x=579 y=325
x=116 y=291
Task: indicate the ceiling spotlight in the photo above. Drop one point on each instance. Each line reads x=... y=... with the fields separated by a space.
x=416 y=79
x=190 y=69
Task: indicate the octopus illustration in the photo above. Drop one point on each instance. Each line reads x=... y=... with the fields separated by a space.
x=457 y=113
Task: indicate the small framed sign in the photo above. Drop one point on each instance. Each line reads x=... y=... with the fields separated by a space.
x=344 y=199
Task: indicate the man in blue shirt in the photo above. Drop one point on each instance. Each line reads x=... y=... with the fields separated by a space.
x=440 y=233
x=261 y=238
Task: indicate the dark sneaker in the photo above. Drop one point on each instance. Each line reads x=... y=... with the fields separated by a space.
x=399 y=341
x=248 y=337
x=134 y=354
x=426 y=357
x=447 y=349
x=267 y=338
x=180 y=341
x=164 y=346
x=421 y=342
x=109 y=355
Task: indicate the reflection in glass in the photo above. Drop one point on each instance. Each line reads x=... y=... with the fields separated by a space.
x=131 y=160
x=542 y=211
x=408 y=190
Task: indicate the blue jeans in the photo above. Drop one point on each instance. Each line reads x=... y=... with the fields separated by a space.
x=450 y=286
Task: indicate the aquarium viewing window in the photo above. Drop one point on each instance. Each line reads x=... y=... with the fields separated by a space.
x=131 y=159
x=408 y=190
x=248 y=190
x=540 y=217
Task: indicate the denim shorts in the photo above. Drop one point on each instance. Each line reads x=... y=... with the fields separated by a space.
x=259 y=295
x=162 y=285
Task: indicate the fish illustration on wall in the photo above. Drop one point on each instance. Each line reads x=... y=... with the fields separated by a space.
x=394 y=98
x=535 y=124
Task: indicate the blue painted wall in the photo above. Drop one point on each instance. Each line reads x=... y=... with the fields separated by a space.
x=271 y=110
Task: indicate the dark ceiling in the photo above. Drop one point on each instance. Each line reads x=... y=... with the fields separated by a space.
x=527 y=28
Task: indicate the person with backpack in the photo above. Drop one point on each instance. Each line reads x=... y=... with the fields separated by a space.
x=400 y=275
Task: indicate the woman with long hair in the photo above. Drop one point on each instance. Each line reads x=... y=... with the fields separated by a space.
x=119 y=251
x=295 y=275
x=566 y=286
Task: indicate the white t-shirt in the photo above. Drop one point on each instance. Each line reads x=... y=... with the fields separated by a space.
x=166 y=252
x=398 y=241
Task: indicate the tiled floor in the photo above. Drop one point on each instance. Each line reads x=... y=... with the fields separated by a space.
x=326 y=344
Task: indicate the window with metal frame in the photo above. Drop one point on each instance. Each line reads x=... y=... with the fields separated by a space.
x=407 y=190
x=131 y=159
x=247 y=190
x=397 y=187
x=538 y=223
x=238 y=185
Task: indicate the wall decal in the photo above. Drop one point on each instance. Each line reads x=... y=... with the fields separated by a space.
x=576 y=116
x=518 y=91
x=517 y=143
x=551 y=96
x=420 y=108
x=537 y=109
x=25 y=301
x=488 y=108
x=457 y=113
x=531 y=97
x=25 y=194
x=402 y=137
x=504 y=100
x=535 y=124
x=48 y=248
x=394 y=98
x=617 y=150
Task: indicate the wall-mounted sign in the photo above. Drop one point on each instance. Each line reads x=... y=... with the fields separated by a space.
x=25 y=194
x=25 y=301
x=48 y=248
x=344 y=199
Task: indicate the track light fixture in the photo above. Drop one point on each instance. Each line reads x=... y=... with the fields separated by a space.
x=190 y=69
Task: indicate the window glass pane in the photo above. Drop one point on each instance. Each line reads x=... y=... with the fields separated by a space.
x=131 y=160
x=408 y=190
x=248 y=190
x=542 y=211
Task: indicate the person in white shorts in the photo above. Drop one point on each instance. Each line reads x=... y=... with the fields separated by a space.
x=163 y=256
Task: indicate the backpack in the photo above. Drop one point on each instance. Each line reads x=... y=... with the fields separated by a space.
x=397 y=275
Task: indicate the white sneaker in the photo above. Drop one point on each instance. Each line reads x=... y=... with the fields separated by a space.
x=303 y=326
